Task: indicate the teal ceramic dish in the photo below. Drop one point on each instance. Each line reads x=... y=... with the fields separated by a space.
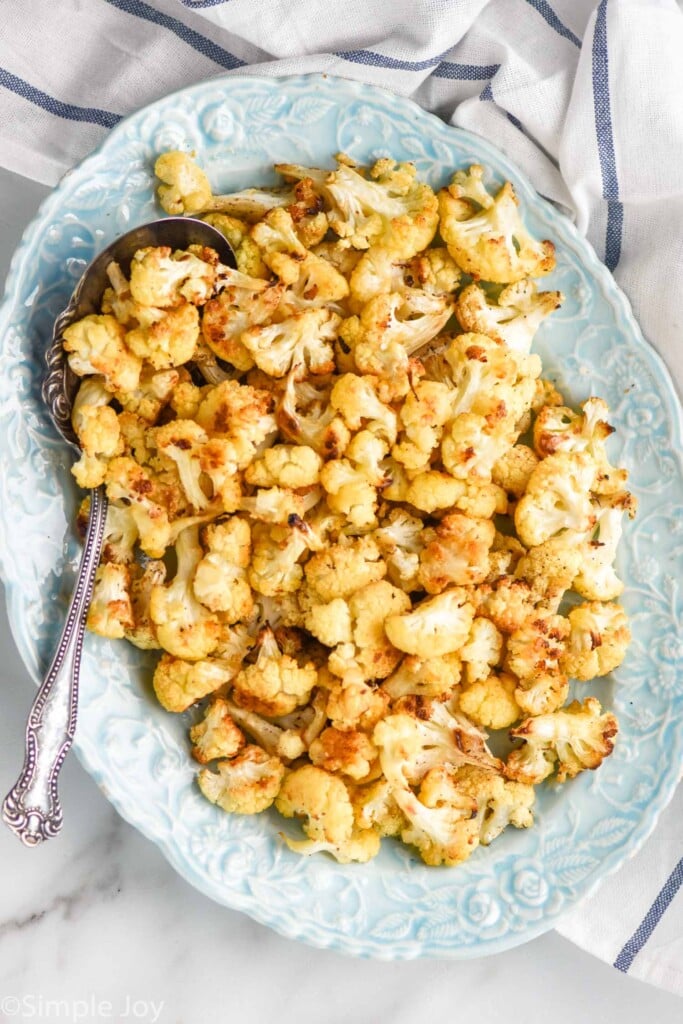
x=394 y=907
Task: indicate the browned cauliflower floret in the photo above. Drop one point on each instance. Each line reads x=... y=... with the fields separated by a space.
x=490 y=379
x=153 y=393
x=577 y=737
x=513 y=470
x=442 y=819
x=220 y=581
x=243 y=302
x=178 y=684
x=534 y=655
x=344 y=568
x=559 y=429
x=305 y=416
x=557 y=498
x=142 y=632
x=131 y=484
x=288 y=736
x=499 y=802
x=161 y=278
x=182 y=441
x=514 y=319
x=169 y=341
x=97 y=344
x=301 y=343
x=598 y=638
x=483 y=650
x=347 y=751
x=246 y=784
x=508 y=603
x=429 y=491
x=240 y=414
x=323 y=801
x=455 y=552
x=110 y=613
x=486 y=236
x=425 y=411
x=355 y=398
x=216 y=735
x=97 y=427
x=279 y=504
x=424 y=677
x=370 y=652
x=597 y=579
x=353 y=703
x=472 y=446
x=552 y=566
x=352 y=483
x=276 y=683
x=374 y=807
x=274 y=569
x=400 y=541
x=438 y=625
x=185 y=628
x=491 y=702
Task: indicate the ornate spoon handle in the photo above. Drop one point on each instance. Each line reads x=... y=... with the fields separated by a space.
x=32 y=808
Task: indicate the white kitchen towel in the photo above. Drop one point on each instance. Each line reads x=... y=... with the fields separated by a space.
x=585 y=97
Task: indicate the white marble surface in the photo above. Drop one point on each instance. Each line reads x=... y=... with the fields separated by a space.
x=96 y=925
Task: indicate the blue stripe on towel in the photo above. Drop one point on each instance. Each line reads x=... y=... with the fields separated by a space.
x=378 y=60
x=200 y=43
x=548 y=15
x=605 y=138
x=465 y=72
x=90 y=115
x=196 y=4
x=654 y=915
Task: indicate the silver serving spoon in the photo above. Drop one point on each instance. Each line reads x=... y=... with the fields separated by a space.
x=32 y=808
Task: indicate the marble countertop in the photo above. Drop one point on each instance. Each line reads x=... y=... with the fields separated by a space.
x=96 y=925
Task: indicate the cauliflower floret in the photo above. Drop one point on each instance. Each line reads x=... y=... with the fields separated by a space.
x=301 y=343
x=597 y=579
x=455 y=552
x=552 y=566
x=472 y=446
x=490 y=379
x=239 y=413
x=243 y=302
x=279 y=505
x=482 y=651
x=98 y=431
x=323 y=801
x=275 y=569
x=330 y=623
x=285 y=465
x=374 y=807
x=513 y=470
x=120 y=532
x=534 y=655
x=379 y=272
x=400 y=541
x=504 y=556
x=429 y=491
x=423 y=734
x=424 y=677
x=557 y=498
x=373 y=655
x=352 y=483
x=355 y=398
x=178 y=684
x=246 y=784
x=514 y=320
x=499 y=802
x=153 y=393
x=577 y=737
x=281 y=249
x=185 y=628
x=168 y=341
x=220 y=581
x=508 y=603
x=559 y=429
x=161 y=278
x=349 y=752
x=128 y=482
x=443 y=822
x=181 y=441
x=490 y=703
x=142 y=632
x=491 y=243
x=275 y=684
x=216 y=735
x=306 y=416
x=288 y=736
x=110 y=612
x=353 y=703
x=438 y=625
x=391 y=327
x=97 y=344
x=184 y=188
x=598 y=638
x=424 y=413
x=343 y=568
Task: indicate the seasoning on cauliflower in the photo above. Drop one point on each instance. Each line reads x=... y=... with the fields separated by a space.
x=348 y=751
x=241 y=415
x=184 y=187
x=425 y=411
x=374 y=807
x=178 y=684
x=153 y=393
x=275 y=684
x=185 y=628
x=97 y=344
x=456 y=551
x=355 y=398
x=220 y=581
x=169 y=341
x=557 y=498
x=568 y=741
x=514 y=319
x=301 y=343
x=246 y=784
x=513 y=469
x=305 y=415
x=97 y=428
x=216 y=736
x=323 y=801
x=597 y=642
x=343 y=568
x=443 y=823
x=551 y=567
x=242 y=302
x=597 y=579
x=110 y=612
x=500 y=802
x=129 y=483
x=534 y=655
x=285 y=465
x=437 y=625
x=559 y=429
x=485 y=235
x=424 y=677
